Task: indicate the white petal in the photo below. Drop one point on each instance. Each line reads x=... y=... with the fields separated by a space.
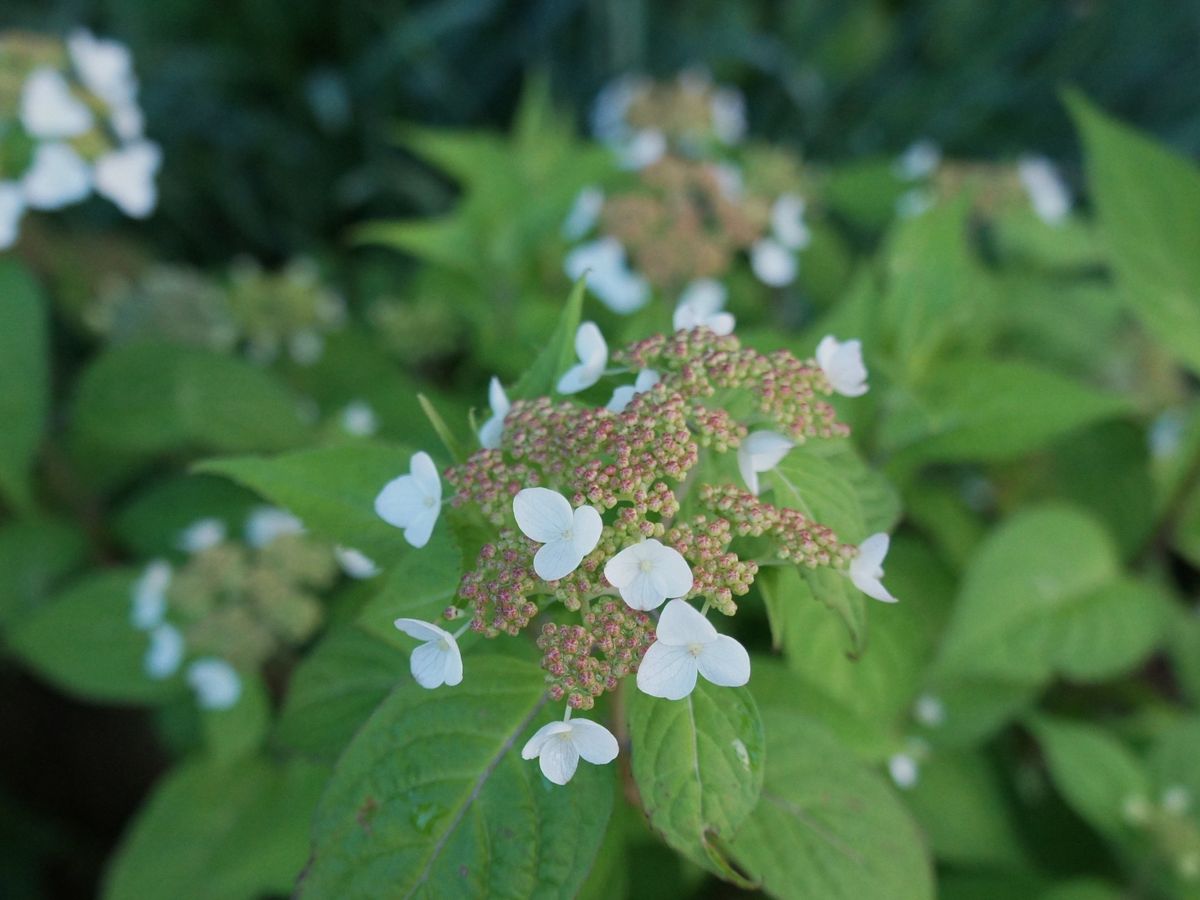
x=556 y=559
x=57 y=177
x=559 y=759
x=202 y=535
x=745 y=463
x=590 y=345
x=401 y=502
x=428 y=664
x=534 y=745
x=165 y=652
x=646 y=379
x=359 y=419
x=579 y=378
x=842 y=364
x=491 y=433
x=671 y=574
x=875 y=548
x=725 y=662
x=497 y=399
x=825 y=351
x=773 y=264
x=126 y=177
x=866 y=569
x=667 y=672
x=642 y=593
x=418 y=533
x=787 y=222
x=150 y=595
x=266 y=523
x=765 y=449
x=586 y=528
x=622 y=397
x=355 y=563
x=594 y=742
x=452 y=672
x=699 y=302
x=721 y=323
x=104 y=66
x=584 y=213
x=542 y=514
x=426 y=474
x=596 y=259
x=216 y=683
x=682 y=624
x=422 y=631
x=48 y=108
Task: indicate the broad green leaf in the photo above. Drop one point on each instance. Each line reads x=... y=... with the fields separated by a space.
x=1042 y=595
x=83 y=642
x=976 y=707
x=826 y=827
x=1148 y=202
x=214 y=830
x=331 y=489
x=982 y=409
x=420 y=586
x=335 y=689
x=25 y=376
x=239 y=731
x=432 y=798
x=445 y=241
x=1172 y=760
x=698 y=763
x=35 y=554
x=821 y=490
x=1095 y=773
x=558 y=354
x=834 y=589
x=149 y=398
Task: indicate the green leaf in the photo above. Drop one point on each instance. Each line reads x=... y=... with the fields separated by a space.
x=698 y=763
x=825 y=826
x=83 y=642
x=558 y=354
x=818 y=488
x=151 y=522
x=25 y=376
x=1148 y=202
x=982 y=409
x=1042 y=595
x=145 y=398
x=441 y=429
x=335 y=689
x=1095 y=774
x=432 y=799
x=421 y=586
x=239 y=731
x=35 y=554
x=218 y=831
x=331 y=489
x=445 y=241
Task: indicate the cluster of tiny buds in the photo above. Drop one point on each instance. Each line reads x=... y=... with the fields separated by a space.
x=489 y=482
x=584 y=661
x=499 y=586
x=797 y=538
x=719 y=574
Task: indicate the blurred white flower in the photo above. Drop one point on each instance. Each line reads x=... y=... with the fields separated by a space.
x=787 y=222
x=866 y=568
x=104 y=66
x=127 y=177
x=57 y=177
x=49 y=110
x=842 y=363
x=1047 y=191
x=920 y=160
x=904 y=770
x=729 y=180
x=760 y=452
x=413 y=501
x=609 y=278
x=216 y=683
x=624 y=394
x=492 y=431
x=648 y=573
x=559 y=746
x=355 y=563
x=201 y=535
x=165 y=652
x=359 y=419
x=914 y=202
x=728 y=108
x=437 y=661
x=12 y=207
x=150 y=595
x=702 y=305
x=929 y=711
x=306 y=347
x=566 y=535
x=773 y=264
x=686 y=645
x=585 y=211
x=646 y=147
x=592 y=352
x=266 y=523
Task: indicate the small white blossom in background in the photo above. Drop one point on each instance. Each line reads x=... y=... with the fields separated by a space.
x=559 y=746
x=914 y=202
x=1176 y=799
x=773 y=264
x=413 y=501
x=686 y=645
x=266 y=523
x=57 y=177
x=787 y=222
x=492 y=431
x=760 y=452
x=929 y=711
x=584 y=213
x=355 y=563
x=202 y=535
x=1046 y=189
x=866 y=569
x=623 y=395
x=150 y=595
x=842 y=363
x=702 y=304
x=216 y=683
x=165 y=652
x=609 y=277
x=920 y=160
x=592 y=352
x=127 y=178
x=49 y=109
x=649 y=573
x=437 y=661
x=728 y=108
x=904 y=769
x=566 y=535
x=359 y=419
x=729 y=180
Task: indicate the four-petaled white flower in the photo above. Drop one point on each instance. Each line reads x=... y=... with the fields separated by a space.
x=165 y=652
x=648 y=573
x=686 y=645
x=57 y=177
x=559 y=745
x=126 y=177
x=701 y=304
x=787 y=222
x=866 y=569
x=773 y=264
x=216 y=683
x=592 y=351
x=585 y=211
x=609 y=277
x=566 y=535
x=842 y=363
x=202 y=535
x=623 y=395
x=761 y=451
x=150 y=595
x=413 y=501
x=492 y=431
x=48 y=108
x=266 y=523
x=355 y=563
x=1047 y=191
x=437 y=661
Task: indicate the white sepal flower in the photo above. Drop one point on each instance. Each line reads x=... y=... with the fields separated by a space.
x=57 y=177
x=104 y=66
x=413 y=501
x=126 y=177
x=558 y=747
x=355 y=563
x=216 y=683
x=592 y=351
x=150 y=595
x=609 y=277
x=866 y=569
x=701 y=304
x=165 y=652
x=566 y=535
x=1047 y=191
x=842 y=363
x=201 y=535
x=48 y=108
x=773 y=264
x=904 y=770
x=12 y=207
x=492 y=431
x=359 y=419
x=266 y=523
x=761 y=451
x=648 y=573
x=437 y=661
x=585 y=211
x=787 y=222
x=920 y=160
x=686 y=645
x=623 y=395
